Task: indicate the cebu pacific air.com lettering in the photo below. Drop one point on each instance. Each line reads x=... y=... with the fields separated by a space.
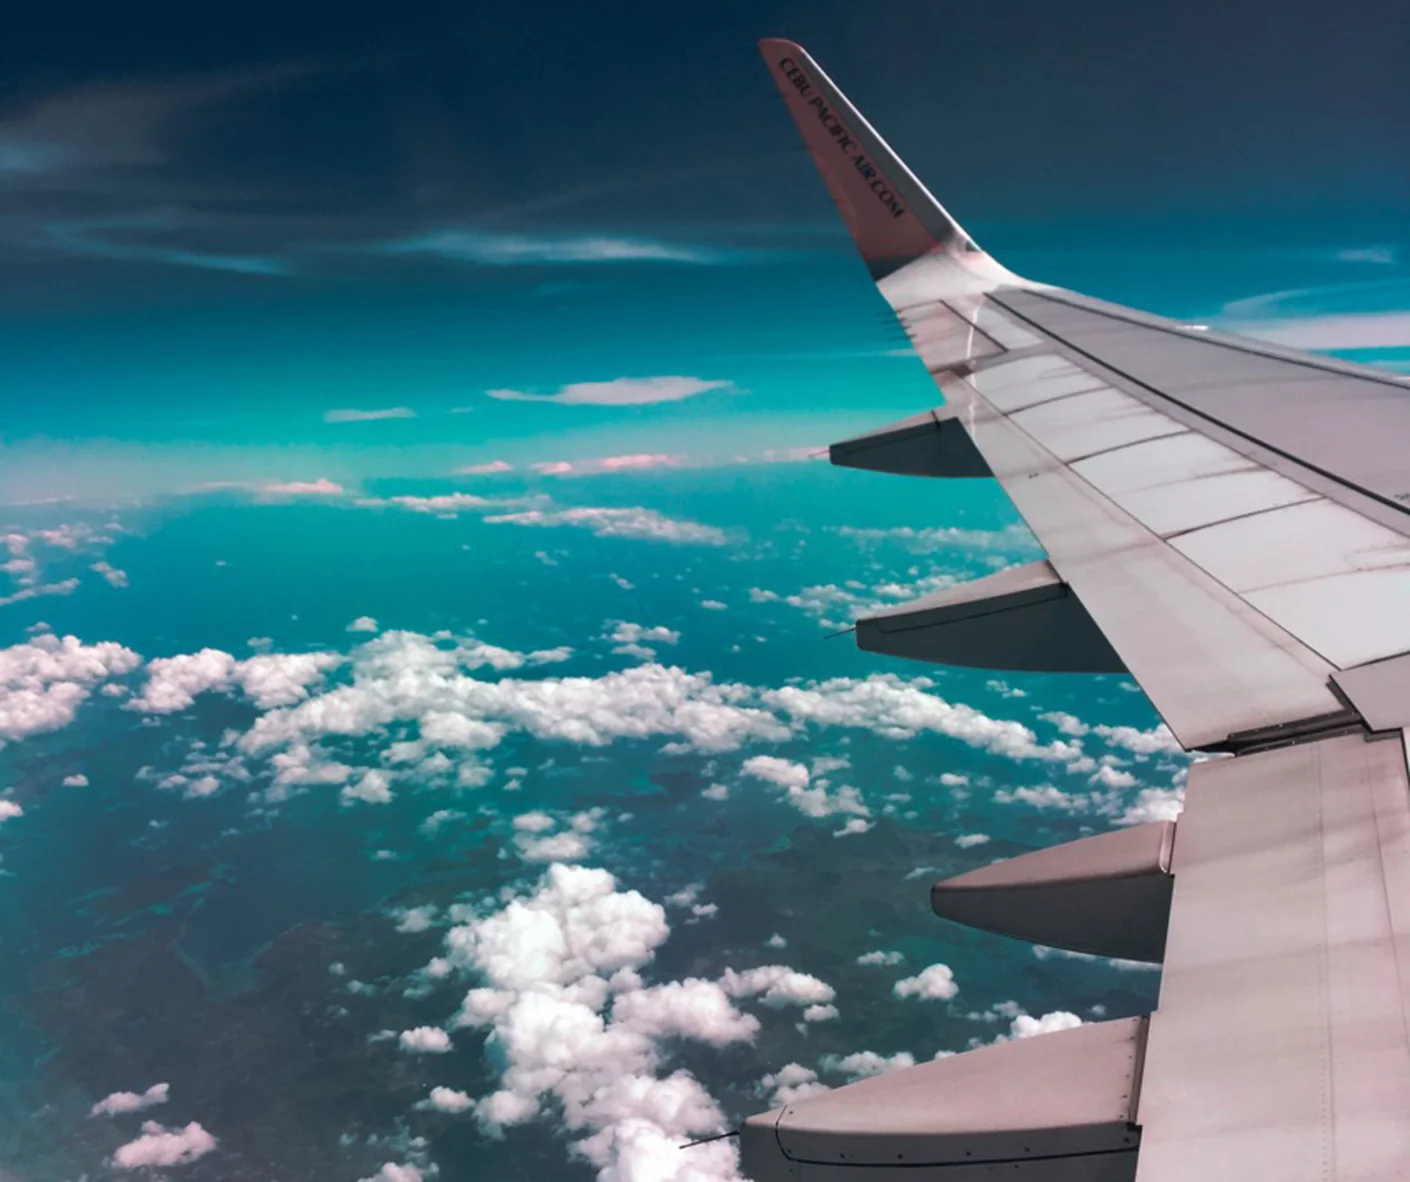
x=871 y=175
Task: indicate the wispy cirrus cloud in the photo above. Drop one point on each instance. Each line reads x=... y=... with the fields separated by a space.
x=603 y=465
x=643 y=462
x=1365 y=330
x=1367 y=314
x=510 y=249
x=322 y=487
x=620 y=391
x=633 y=521
x=492 y=468
x=123 y=238
x=353 y=415
x=1385 y=256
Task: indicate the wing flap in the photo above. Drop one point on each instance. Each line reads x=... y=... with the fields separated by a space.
x=1279 y=1049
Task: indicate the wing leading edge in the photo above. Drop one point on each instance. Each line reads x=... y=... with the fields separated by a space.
x=1229 y=522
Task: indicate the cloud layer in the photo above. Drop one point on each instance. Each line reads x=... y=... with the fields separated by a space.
x=619 y=392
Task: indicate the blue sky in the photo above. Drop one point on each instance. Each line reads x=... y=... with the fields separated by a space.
x=218 y=234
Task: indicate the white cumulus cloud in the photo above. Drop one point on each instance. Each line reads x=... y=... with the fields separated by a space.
x=936 y=983
x=117 y=1103
x=43 y=682
x=866 y=1064
x=1026 y=1026
x=448 y=1100
x=790 y=1083
x=627 y=522
x=158 y=1146
x=575 y=1028
x=425 y=1040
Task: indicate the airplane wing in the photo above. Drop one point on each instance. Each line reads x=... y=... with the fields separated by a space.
x=1228 y=522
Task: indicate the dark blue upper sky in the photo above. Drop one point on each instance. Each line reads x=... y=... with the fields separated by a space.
x=304 y=137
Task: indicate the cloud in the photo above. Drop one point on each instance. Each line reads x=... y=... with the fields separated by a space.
x=120 y=238
x=1043 y=952
x=158 y=1146
x=620 y=391
x=1331 y=316
x=867 y=1064
x=791 y=1083
x=447 y=1100
x=616 y=522
x=363 y=624
x=110 y=573
x=322 y=487
x=693 y=1008
x=417 y=919
x=812 y=799
x=1068 y=724
x=536 y=842
x=350 y=415
x=9 y=809
x=573 y=1025
x=269 y=679
x=425 y=1040
x=1027 y=1026
x=445 y=504
x=969 y=840
x=633 y=640
x=118 y=1103
x=418 y=695
x=635 y=522
x=43 y=682
x=936 y=983
x=1014 y=537
x=899 y=709
x=607 y=465
x=491 y=468
x=1045 y=796
x=1156 y=741
x=1386 y=256
x=783 y=773
x=1154 y=804
x=880 y=958
x=777 y=985
x=519 y=250
x=392 y=1172
x=77 y=780
x=63 y=587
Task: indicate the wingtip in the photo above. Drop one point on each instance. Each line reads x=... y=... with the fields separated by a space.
x=892 y=217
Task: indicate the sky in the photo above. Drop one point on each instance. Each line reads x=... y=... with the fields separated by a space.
x=219 y=231
x=430 y=741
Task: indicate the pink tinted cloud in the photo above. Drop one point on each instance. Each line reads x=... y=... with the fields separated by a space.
x=490 y=469
x=322 y=487
x=604 y=464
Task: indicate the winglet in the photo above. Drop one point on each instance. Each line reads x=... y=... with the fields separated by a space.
x=892 y=216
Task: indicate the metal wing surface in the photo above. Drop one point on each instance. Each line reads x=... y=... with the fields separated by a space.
x=1228 y=522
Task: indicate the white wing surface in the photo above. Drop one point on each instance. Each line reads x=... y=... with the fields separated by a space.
x=1229 y=522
